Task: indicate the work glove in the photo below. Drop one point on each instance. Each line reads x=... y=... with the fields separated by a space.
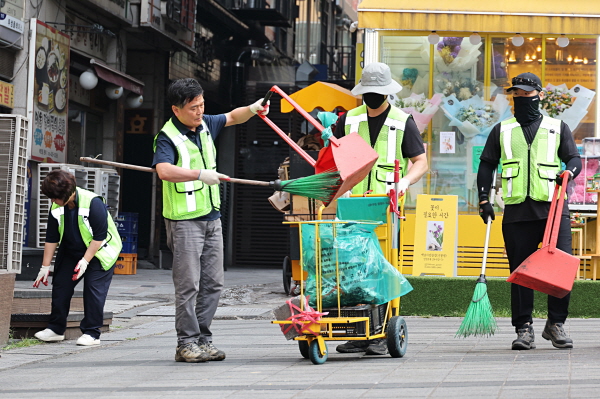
x=42 y=277
x=403 y=186
x=80 y=269
x=257 y=107
x=486 y=211
x=559 y=176
x=211 y=177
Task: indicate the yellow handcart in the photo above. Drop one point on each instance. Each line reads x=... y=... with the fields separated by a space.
x=343 y=323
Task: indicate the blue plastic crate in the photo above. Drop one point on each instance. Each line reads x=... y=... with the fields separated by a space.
x=127 y=216
x=129 y=247
x=127 y=226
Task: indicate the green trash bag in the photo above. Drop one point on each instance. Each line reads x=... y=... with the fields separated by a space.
x=365 y=275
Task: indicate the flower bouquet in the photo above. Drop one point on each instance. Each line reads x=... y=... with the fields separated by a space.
x=474 y=116
x=570 y=106
x=420 y=107
x=463 y=87
x=452 y=54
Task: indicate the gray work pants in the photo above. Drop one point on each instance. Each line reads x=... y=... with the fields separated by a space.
x=198 y=276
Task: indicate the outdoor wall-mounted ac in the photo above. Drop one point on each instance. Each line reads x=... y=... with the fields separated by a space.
x=13 y=189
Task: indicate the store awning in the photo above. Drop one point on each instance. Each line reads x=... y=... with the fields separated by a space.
x=117 y=77
x=511 y=16
x=326 y=96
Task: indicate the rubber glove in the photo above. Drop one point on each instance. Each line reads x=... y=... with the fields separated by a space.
x=327 y=119
x=80 y=269
x=42 y=277
x=346 y=194
x=403 y=186
x=486 y=211
x=559 y=176
x=211 y=177
x=257 y=107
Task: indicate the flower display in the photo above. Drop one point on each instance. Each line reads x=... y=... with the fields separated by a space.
x=463 y=87
x=420 y=107
x=570 y=106
x=409 y=77
x=452 y=54
x=474 y=116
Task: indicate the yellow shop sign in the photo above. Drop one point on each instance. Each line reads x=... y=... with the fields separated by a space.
x=436 y=235
x=7 y=98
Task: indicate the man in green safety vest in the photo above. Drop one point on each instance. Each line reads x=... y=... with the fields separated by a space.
x=531 y=149
x=394 y=135
x=185 y=160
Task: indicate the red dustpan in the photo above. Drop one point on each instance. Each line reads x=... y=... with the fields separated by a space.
x=549 y=270
x=350 y=155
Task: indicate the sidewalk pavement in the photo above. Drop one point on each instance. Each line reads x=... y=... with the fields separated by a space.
x=136 y=358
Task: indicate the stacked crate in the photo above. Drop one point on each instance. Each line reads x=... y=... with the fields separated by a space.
x=127 y=225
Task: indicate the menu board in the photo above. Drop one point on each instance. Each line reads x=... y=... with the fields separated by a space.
x=50 y=94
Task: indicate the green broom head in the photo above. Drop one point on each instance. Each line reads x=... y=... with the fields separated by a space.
x=321 y=186
x=479 y=319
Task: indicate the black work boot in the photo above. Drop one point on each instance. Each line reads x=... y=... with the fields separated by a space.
x=556 y=333
x=525 y=338
x=353 y=346
x=377 y=347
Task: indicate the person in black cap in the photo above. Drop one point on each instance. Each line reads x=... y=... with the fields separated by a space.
x=531 y=149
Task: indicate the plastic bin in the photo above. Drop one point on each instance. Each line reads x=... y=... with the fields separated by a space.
x=130 y=243
x=127 y=223
x=126 y=264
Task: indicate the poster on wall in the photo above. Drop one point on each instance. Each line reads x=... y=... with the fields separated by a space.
x=50 y=94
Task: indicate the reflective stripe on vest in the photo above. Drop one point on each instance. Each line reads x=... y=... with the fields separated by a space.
x=192 y=199
x=529 y=170
x=110 y=248
x=388 y=145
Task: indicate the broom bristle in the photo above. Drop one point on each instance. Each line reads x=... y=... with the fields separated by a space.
x=321 y=186
x=479 y=319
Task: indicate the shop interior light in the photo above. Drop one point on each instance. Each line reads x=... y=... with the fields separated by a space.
x=539 y=48
x=518 y=40
x=585 y=60
x=475 y=39
x=134 y=100
x=527 y=58
x=512 y=57
x=562 y=41
x=433 y=38
x=569 y=58
x=114 y=92
x=88 y=80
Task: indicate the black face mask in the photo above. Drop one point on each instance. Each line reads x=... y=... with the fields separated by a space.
x=373 y=100
x=527 y=109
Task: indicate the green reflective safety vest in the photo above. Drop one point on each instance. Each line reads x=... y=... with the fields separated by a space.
x=388 y=146
x=190 y=199
x=111 y=246
x=529 y=170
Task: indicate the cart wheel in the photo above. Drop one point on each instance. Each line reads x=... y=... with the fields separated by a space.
x=397 y=336
x=287 y=275
x=303 y=346
x=315 y=354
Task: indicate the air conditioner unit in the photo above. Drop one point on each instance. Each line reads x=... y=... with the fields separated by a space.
x=44 y=203
x=105 y=182
x=13 y=189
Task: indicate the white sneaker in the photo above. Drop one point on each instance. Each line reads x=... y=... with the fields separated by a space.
x=48 y=335
x=88 y=340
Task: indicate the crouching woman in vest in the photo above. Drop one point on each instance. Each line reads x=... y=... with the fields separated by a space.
x=89 y=247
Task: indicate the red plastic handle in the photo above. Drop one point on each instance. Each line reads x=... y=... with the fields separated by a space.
x=555 y=214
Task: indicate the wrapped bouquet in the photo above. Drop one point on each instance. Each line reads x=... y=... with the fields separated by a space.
x=452 y=54
x=463 y=87
x=420 y=107
x=474 y=116
x=570 y=106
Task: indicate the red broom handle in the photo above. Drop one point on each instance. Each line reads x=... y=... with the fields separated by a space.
x=555 y=214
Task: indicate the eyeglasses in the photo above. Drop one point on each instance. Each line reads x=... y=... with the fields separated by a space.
x=526 y=82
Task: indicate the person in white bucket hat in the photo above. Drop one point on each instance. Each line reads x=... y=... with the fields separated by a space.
x=394 y=135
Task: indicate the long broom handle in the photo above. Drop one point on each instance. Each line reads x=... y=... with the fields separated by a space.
x=488 y=225
x=558 y=203
x=152 y=170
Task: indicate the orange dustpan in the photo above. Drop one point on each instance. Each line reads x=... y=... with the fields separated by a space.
x=549 y=270
x=351 y=156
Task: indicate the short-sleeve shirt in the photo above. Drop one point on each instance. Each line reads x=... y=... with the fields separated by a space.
x=72 y=241
x=529 y=209
x=166 y=151
x=412 y=143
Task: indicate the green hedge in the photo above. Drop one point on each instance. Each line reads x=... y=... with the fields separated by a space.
x=451 y=296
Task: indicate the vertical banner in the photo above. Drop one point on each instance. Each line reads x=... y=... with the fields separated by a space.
x=50 y=94
x=436 y=235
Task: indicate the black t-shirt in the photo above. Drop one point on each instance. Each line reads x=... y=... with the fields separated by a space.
x=72 y=241
x=529 y=209
x=412 y=143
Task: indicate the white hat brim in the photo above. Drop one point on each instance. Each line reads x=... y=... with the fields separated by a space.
x=392 y=88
